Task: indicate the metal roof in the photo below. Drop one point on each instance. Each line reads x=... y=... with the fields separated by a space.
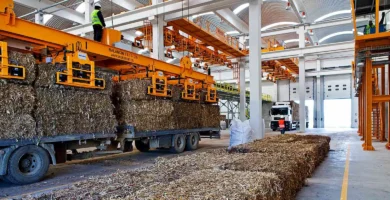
x=273 y=11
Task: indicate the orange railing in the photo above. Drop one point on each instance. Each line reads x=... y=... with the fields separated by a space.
x=213 y=29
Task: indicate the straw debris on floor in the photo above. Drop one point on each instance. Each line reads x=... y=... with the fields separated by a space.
x=264 y=172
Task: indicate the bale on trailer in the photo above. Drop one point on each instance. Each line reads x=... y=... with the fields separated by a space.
x=25 y=60
x=16 y=99
x=17 y=126
x=133 y=90
x=47 y=73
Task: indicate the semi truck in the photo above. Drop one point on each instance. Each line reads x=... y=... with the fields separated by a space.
x=290 y=112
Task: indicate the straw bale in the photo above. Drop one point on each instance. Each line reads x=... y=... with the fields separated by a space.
x=149 y=107
x=46 y=77
x=17 y=126
x=214 y=174
x=215 y=184
x=68 y=124
x=187 y=115
x=290 y=168
x=176 y=92
x=52 y=101
x=25 y=60
x=133 y=90
x=16 y=99
x=210 y=115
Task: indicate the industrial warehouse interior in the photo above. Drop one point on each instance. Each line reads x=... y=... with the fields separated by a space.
x=194 y=99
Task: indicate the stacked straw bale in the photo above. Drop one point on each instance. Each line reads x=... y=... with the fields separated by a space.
x=17 y=100
x=264 y=172
x=37 y=106
x=148 y=113
x=68 y=110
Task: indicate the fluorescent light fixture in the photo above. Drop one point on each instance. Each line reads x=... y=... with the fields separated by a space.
x=337 y=34
x=81 y=8
x=201 y=14
x=240 y=8
x=139 y=33
x=46 y=18
x=340 y=12
x=278 y=24
x=291 y=41
x=232 y=32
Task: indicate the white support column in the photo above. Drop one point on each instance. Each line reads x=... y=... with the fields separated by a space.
x=256 y=118
x=88 y=10
x=39 y=18
x=302 y=87
x=242 y=92
x=158 y=37
x=319 y=97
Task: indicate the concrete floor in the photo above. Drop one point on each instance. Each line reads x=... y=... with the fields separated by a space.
x=367 y=175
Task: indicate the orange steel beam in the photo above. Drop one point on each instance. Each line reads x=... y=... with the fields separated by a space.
x=383 y=104
x=194 y=30
x=59 y=40
x=368 y=110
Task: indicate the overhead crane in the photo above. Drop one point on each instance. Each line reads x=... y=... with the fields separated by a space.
x=210 y=35
x=70 y=49
x=372 y=52
x=176 y=42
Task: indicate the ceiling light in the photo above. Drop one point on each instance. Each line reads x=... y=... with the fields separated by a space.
x=333 y=14
x=240 y=8
x=139 y=33
x=278 y=24
x=81 y=8
x=291 y=41
x=337 y=34
x=232 y=32
x=46 y=18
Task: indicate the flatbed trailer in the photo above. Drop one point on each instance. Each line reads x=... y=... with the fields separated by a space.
x=24 y=161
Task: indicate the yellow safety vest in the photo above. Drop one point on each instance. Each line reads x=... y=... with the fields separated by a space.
x=95 y=18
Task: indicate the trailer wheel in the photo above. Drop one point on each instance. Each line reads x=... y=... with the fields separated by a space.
x=179 y=143
x=192 y=142
x=128 y=146
x=28 y=164
x=142 y=145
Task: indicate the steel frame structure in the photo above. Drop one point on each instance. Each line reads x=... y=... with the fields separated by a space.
x=372 y=95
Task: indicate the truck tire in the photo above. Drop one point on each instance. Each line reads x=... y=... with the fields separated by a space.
x=28 y=164
x=192 y=142
x=178 y=143
x=142 y=146
x=128 y=146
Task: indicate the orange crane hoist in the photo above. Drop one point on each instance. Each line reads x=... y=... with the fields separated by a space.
x=70 y=49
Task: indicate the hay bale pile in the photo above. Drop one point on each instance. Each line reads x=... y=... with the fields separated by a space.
x=17 y=100
x=68 y=110
x=263 y=172
x=37 y=106
x=147 y=113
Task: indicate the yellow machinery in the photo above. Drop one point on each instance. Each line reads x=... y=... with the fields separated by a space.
x=81 y=55
x=8 y=70
x=372 y=52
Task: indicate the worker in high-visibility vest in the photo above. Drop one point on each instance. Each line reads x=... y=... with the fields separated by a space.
x=369 y=26
x=98 y=22
x=282 y=126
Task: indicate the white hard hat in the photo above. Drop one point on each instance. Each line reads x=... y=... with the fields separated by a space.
x=98 y=5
